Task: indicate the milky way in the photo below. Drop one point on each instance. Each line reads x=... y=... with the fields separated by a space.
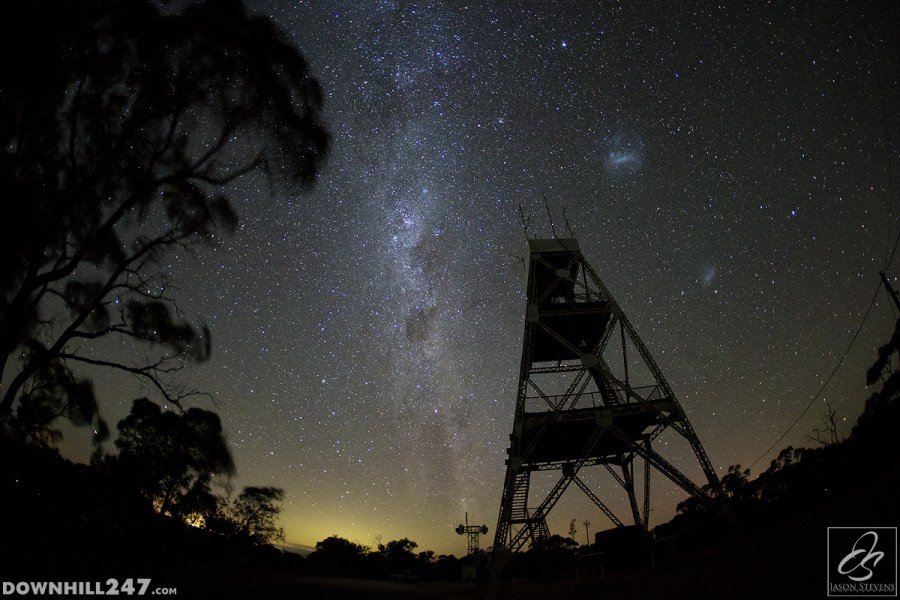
x=724 y=169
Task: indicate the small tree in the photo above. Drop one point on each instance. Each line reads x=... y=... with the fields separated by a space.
x=171 y=457
x=338 y=556
x=883 y=369
x=399 y=555
x=255 y=512
x=875 y=431
x=827 y=435
x=200 y=505
x=734 y=482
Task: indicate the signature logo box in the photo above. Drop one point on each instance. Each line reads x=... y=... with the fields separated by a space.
x=862 y=562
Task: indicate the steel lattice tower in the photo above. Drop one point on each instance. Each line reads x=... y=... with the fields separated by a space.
x=589 y=395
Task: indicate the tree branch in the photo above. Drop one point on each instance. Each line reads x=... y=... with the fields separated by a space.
x=56 y=349
x=149 y=373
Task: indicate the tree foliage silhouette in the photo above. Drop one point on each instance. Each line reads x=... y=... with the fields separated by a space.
x=398 y=555
x=255 y=511
x=121 y=126
x=396 y=560
x=882 y=411
x=337 y=556
x=172 y=457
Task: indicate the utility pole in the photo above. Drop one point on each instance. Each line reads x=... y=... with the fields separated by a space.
x=587 y=532
x=890 y=289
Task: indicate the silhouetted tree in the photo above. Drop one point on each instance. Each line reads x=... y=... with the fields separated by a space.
x=399 y=556
x=200 y=504
x=255 y=511
x=171 y=457
x=336 y=556
x=875 y=429
x=121 y=126
x=828 y=434
x=883 y=369
x=734 y=482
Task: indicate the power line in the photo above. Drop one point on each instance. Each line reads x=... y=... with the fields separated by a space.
x=890 y=259
x=827 y=381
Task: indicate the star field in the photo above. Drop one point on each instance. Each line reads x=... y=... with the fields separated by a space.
x=726 y=170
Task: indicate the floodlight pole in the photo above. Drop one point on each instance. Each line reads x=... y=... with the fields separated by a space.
x=472 y=531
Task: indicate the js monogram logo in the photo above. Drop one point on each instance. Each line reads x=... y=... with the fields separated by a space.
x=854 y=564
x=862 y=561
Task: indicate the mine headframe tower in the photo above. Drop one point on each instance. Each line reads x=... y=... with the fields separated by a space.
x=589 y=395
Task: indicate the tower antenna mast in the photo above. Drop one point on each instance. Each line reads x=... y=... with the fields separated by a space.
x=524 y=220
x=549 y=215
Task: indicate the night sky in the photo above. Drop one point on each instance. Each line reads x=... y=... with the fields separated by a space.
x=726 y=171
